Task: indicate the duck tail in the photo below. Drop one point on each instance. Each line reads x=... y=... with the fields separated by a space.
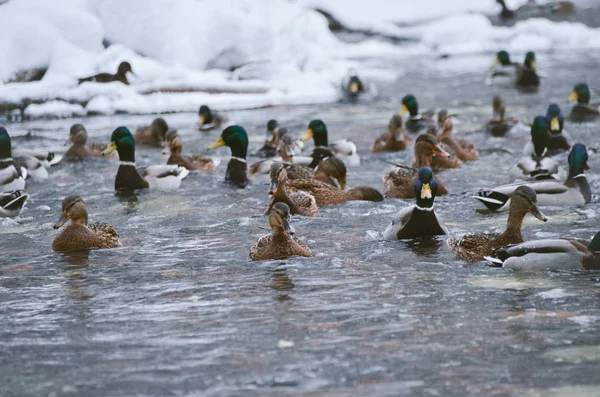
x=13 y=201
x=182 y=172
x=364 y=193
x=491 y=199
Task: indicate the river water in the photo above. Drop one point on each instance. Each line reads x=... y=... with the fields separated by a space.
x=180 y=310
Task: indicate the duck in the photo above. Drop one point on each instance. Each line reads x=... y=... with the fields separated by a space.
x=46 y=159
x=236 y=139
x=299 y=202
x=503 y=69
x=559 y=139
x=12 y=180
x=209 y=120
x=326 y=194
x=533 y=10
x=286 y=148
x=499 y=126
x=538 y=164
x=474 y=247
x=79 y=235
x=128 y=178
x=121 y=75
x=353 y=86
x=574 y=191
x=394 y=140
x=343 y=149
x=12 y=203
x=419 y=220
x=399 y=183
x=34 y=167
x=195 y=162
x=331 y=171
x=416 y=122
x=506 y=13
x=583 y=109
x=81 y=149
x=526 y=74
x=280 y=244
x=152 y=135
x=549 y=254
x=463 y=149
x=269 y=148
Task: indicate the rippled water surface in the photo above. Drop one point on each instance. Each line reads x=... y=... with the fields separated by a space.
x=180 y=310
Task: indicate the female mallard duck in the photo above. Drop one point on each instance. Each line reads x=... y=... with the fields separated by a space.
x=395 y=139
x=575 y=191
x=128 y=178
x=121 y=75
x=583 y=110
x=195 y=162
x=416 y=121
x=300 y=202
x=152 y=135
x=463 y=149
x=12 y=182
x=527 y=77
x=80 y=148
x=399 y=182
x=331 y=171
x=279 y=244
x=474 y=247
x=418 y=220
x=269 y=148
x=551 y=254
x=79 y=235
x=209 y=120
x=538 y=164
x=343 y=149
x=499 y=125
x=236 y=138
x=326 y=194
x=286 y=151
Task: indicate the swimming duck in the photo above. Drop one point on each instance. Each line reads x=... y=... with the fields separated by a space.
x=463 y=149
x=583 y=110
x=399 y=182
x=353 y=86
x=395 y=139
x=80 y=148
x=195 y=162
x=236 y=138
x=343 y=149
x=416 y=122
x=506 y=13
x=503 y=69
x=12 y=182
x=527 y=76
x=279 y=244
x=79 y=235
x=326 y=194
x=538 y=164
x=559 y=140
x=152 y=135
x=128 y=178
x=121 y=75
x=419 y=220
x=299 y=202
x=331 y=171
x=498 y=126
x=269 y=148
x=12 y=202
x=531 y=9
x=551 y=254
x=209 y=120
x=475 y=247
x=575 y=191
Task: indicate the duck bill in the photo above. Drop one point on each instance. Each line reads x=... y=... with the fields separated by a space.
x=535 y=211
x=201 y=120
x=573 y=97
x=496 y=63
x=111 y=148
x=342 y=182
x=309 y=134
x=554 y=124
x=273 y=186
x=287 y=228
x=218 y=143
x=64 y=218
x=426 y=191
x=354 y=87
x=438 y=151
x=533 y=65
x=403 y=110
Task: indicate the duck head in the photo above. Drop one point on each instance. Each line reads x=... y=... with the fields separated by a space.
x=123 y=68
x=426 y=146
x=279 y=218
x=539 y=135
x=278 y=176
x=272 y=129
x=159 y=129
x=75 y=209
x=334 y=168
x=205 y=115
x=318 y=132
x=235 y=138
x=395 y=124
x=555 y=119
x=354 y=85
x=502 y=58
x=425 y=188
x=530 y=60
x=122 y=141
x=286 y=147
x=578 y=157
x=524 y=200
x=5 y=146
x=409 y=104
x=580 y=94
x=78 y=134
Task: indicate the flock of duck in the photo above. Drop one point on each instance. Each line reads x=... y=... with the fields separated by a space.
x=300 y=184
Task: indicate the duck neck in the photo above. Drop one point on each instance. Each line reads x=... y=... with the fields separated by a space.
x=126 y=153
x=279 y=234
x=81 y=220
x=512 y=234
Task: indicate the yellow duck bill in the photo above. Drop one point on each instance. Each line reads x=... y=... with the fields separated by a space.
x=309 y=134
x=573 y=97
x=218 y=143
x=403 y=110
x=111 y=148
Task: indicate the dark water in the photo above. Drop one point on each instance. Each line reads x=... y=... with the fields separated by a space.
x=180 y=310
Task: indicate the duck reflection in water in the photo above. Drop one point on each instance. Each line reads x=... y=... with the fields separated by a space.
x=281 y=282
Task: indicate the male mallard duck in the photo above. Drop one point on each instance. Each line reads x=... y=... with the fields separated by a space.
x=128 y=178
x=353 y=86
x=79 y=235
x=416 y=121
x=583 y=110
x=575 y=191
x=269 y=148
x=463 y=149
x=400 y=181
x=12 y=182
x=326 y=194
x=195 y=162
x=503 y=69
x=236 y=138
x=343 y=149
x=538 y=164
x=209 y=120
x=80 y=149
x=551 y=254
x=499 y=125
x=527 y=76
x=279 y=244
x=418 y=220
x=474 y=247
x=395 y=139
x=299 y=202
x=560 y=139
x=152 y=135
x=121 y=75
